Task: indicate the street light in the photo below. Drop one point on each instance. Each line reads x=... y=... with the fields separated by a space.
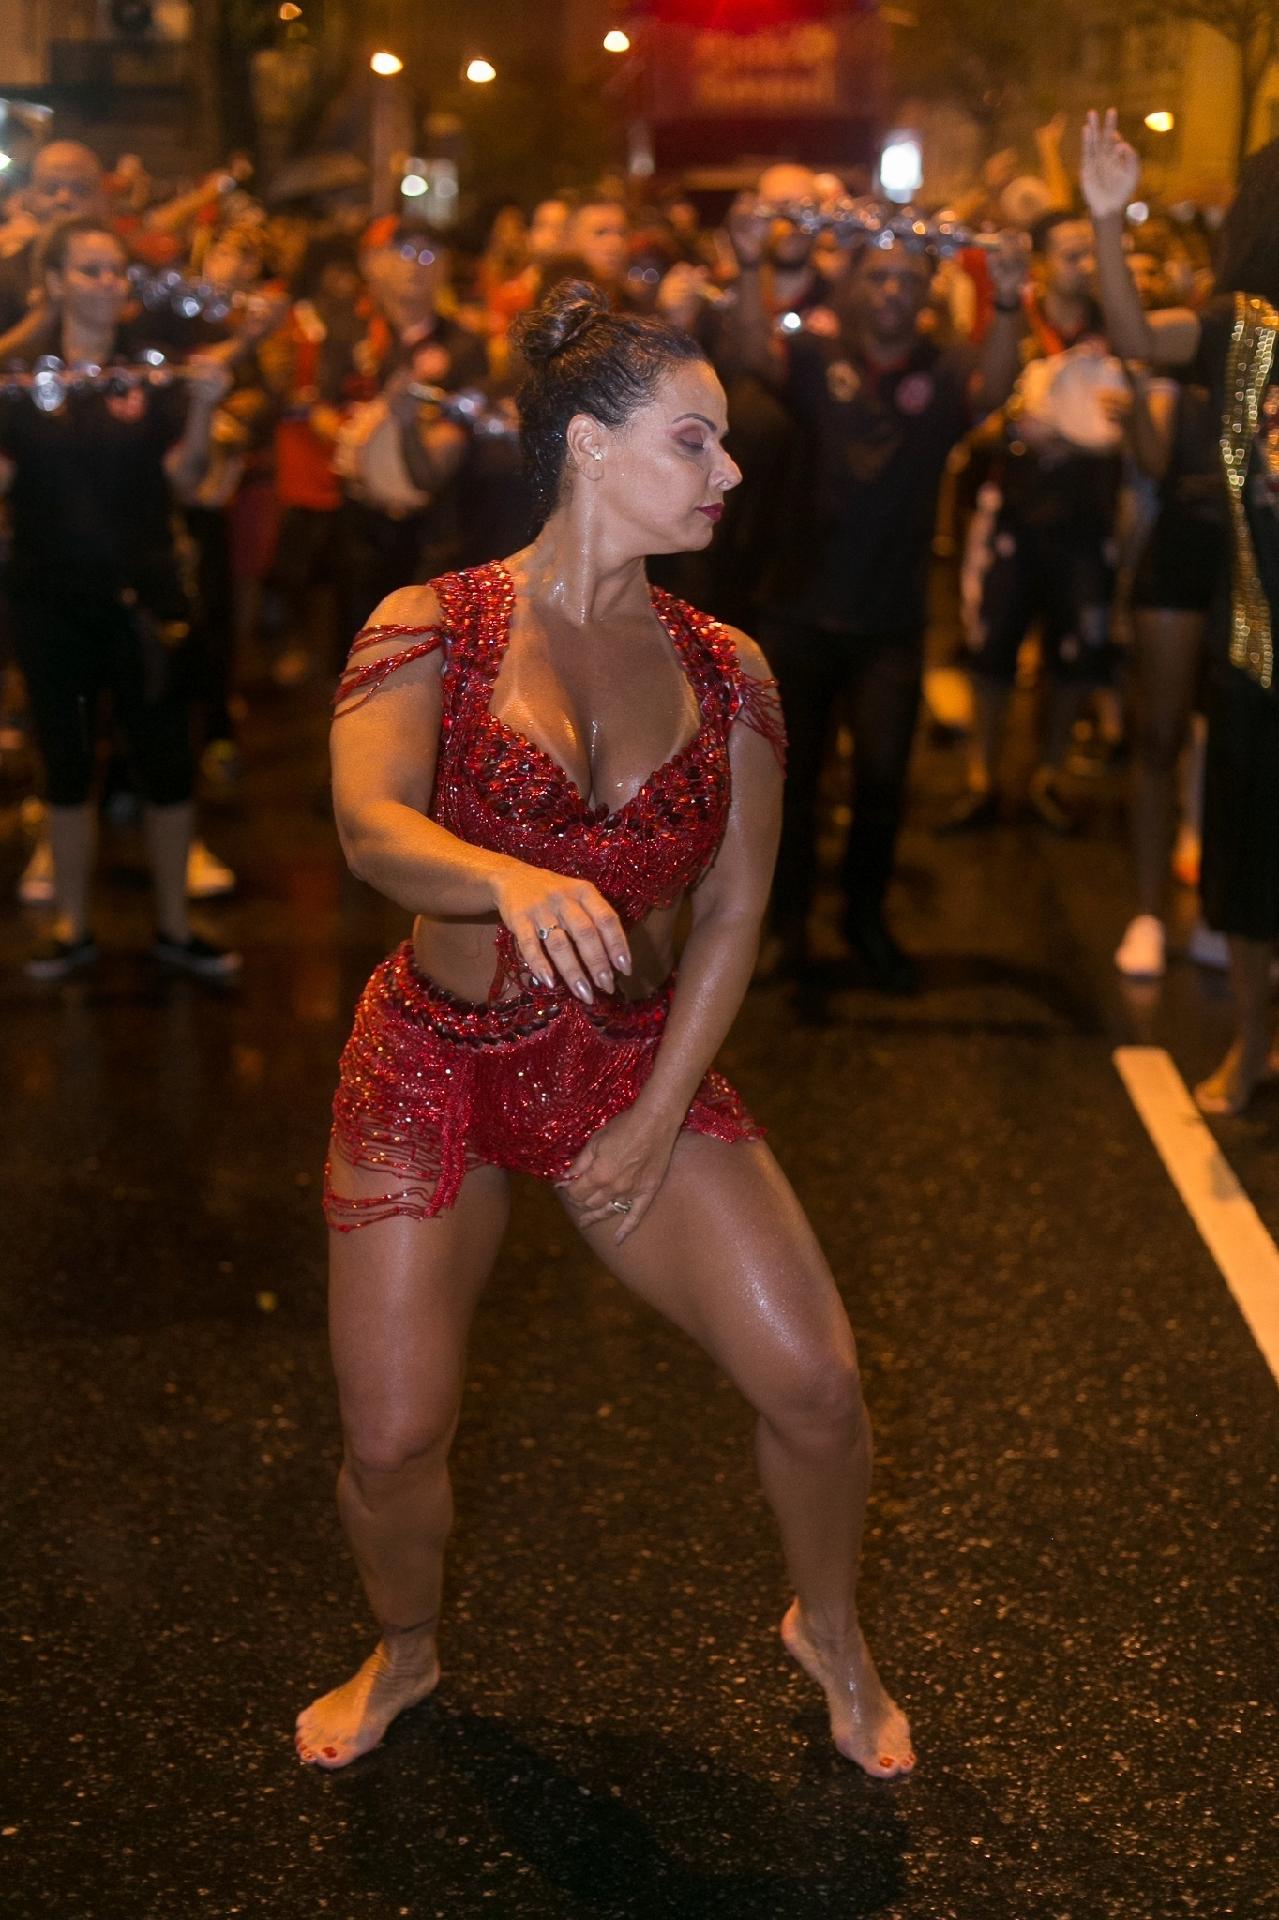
x=481 y=72
x=386 y=64
x=1160 y=122
x=290 y=10
x=615 y=41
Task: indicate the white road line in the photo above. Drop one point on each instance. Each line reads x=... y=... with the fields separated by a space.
x=1218 y=1205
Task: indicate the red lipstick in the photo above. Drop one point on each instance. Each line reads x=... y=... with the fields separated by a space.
x=712 y=513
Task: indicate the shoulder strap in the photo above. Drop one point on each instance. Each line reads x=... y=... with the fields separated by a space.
x=722 y=687
x=374 y=657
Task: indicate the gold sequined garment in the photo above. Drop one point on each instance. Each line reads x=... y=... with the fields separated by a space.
x=1249 y=362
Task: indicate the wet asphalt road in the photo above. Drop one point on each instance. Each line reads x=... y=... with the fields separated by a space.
x=1071 y=1564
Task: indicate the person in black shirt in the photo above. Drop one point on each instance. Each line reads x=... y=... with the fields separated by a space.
x=66 y=184
x=94 y=587
x=1042 y=546
x=880 y=407
x=388 y=539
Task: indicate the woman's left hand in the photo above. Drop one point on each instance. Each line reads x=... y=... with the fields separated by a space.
x=625 y=1160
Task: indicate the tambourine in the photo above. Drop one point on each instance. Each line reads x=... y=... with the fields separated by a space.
x=882 y=225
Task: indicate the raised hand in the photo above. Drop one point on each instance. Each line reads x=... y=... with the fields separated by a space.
x=1109 y=168
x=747 y=229
x=208 y=380
x=1008 y=265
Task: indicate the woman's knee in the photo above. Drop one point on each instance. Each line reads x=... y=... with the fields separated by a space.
x=819 y=1399
x=382 y=1450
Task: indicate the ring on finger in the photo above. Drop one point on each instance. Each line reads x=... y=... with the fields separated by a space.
x=544 y=933
x=621 y=1206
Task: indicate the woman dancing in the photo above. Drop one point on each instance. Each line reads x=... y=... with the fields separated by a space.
x=541 y=759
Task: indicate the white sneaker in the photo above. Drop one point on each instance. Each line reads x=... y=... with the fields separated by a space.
x=207 y=877
x=1141 y=951
x=1208 y=949
x=35 y=889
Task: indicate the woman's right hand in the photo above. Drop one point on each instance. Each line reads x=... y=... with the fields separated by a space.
x=1109 y=169
x=562 y=926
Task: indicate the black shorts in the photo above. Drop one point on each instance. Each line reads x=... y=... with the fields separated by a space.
x=1059 y=576
x=1241 y=806
x=72 y=651
x=1182 y=563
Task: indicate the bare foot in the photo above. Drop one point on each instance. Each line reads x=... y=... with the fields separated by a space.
x=351 y=1720
x=1231 y=1087
x=867 y=1727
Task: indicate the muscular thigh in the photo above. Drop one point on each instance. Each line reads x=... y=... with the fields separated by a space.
x=727 y=1253
x=402 y=1295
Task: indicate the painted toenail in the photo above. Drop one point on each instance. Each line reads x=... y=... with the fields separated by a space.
x=330 y=1753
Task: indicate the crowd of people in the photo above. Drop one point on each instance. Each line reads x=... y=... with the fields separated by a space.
x=228 y=431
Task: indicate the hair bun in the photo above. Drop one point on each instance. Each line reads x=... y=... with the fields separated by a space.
x=564 y=315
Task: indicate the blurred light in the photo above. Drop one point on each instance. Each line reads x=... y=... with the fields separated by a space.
x=290 y=10
x=901 y=166
x=615 y=41
x=413 y=186
x=1160 y=122
x=481 y=72
x=790 y=323
x=6 y=160
x=387 y=63
x=1138 y=212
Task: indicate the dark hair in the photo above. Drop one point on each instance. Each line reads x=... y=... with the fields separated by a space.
x=51 y=256
x=324 y=250
x=1043 y=229
x=1248 y=245
x=581 y=358
x=404 y=231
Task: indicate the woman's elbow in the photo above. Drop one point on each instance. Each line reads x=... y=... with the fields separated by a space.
x=355 y=842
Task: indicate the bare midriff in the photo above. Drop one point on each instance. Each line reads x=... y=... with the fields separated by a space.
x=461 y=955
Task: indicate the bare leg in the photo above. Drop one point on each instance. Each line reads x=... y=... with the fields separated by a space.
x=401 y=1299
x=1166 y=663
x=1248 y=1062
x=71 y=836
x=726 y=1253
x=168 y=838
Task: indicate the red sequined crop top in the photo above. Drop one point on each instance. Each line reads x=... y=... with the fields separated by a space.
x=496 y=789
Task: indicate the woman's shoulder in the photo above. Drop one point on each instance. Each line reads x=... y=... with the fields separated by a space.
x=733 y=651
x=410 y=609
x=748 y=655
x=750 y=690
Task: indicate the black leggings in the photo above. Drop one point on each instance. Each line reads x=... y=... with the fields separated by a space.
x=879 y=677
x=72 y=652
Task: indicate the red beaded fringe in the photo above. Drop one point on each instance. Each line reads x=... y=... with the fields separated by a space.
x=431 y=1086
x=365 y=677
x=759 y=706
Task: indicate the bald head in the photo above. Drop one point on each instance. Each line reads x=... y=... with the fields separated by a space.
x=787 y=181
x=66 y=180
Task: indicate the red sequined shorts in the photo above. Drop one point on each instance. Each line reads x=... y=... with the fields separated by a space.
x=431 y=1086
